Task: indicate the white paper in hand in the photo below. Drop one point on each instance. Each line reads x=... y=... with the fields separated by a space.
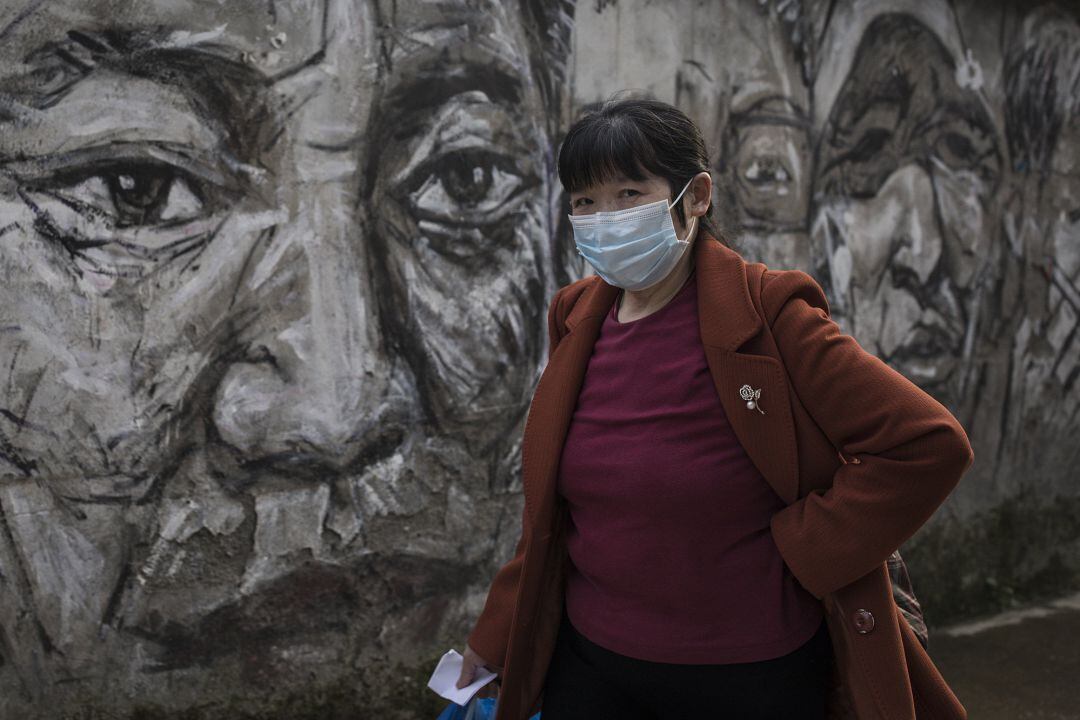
x=444 y=679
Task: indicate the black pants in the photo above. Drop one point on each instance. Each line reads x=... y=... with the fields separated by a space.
x=585 y=680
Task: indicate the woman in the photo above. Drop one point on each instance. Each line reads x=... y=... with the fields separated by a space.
x=714 y=475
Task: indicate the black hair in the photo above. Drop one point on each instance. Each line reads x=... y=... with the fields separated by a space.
x=632 y=137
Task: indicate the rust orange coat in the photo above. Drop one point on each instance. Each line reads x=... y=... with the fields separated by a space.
x=860 y=455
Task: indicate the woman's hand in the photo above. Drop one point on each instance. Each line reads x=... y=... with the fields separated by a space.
x=469 y=665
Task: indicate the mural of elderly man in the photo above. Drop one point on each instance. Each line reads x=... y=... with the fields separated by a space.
x=751 y=96
x=907 y=166
x=961 y=267
x=274 y=283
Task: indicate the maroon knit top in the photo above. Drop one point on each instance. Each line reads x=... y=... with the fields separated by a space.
x=671 y=555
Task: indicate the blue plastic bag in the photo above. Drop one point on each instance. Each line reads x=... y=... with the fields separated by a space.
x=475 y=709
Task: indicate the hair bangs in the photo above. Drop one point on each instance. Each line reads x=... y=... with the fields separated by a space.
x=604 y=149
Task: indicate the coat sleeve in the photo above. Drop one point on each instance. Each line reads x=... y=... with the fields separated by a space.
x=491 y=633
x=905 y=450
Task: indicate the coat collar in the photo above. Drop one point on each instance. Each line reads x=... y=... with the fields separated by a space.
x=725 y=310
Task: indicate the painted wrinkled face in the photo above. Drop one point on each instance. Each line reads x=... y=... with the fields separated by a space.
x=749 y=98
x=769 y=155
x=908 y=164
x=274 y=278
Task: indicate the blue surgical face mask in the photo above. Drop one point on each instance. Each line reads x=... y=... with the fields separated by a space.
x=633 y=248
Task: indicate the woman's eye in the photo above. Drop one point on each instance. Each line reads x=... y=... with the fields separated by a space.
x=582 y=202
x=467 y=187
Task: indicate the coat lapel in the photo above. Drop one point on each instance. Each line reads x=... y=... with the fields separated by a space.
x=727 y=319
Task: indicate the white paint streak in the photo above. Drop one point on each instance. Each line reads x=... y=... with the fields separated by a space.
x=969 y=73
x=185 y=38
x=272 y=260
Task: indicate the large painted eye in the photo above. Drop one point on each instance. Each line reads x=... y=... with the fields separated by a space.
x=473 y=187
x=963 y=145
x=135 y=194
x=770 y=164
x=118 y=209
x=127 y=187
x=461 y=175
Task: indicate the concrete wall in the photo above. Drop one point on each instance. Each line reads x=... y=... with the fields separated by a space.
x=274 y=277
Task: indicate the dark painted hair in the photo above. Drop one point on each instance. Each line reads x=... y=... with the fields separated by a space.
x=1042 y=86
x=633 y=137
x=547 y=26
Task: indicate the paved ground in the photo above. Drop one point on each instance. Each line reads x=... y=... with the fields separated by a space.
x=1022 y=665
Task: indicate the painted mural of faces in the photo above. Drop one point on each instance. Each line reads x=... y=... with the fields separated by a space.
x=1042 y=112
x=274 y=277
x=749 y=96
x=768 y=155
x=908 y=163
x=1060 y=206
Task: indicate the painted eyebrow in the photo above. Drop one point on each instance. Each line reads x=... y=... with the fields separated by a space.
x=230 y=93
x=430 y=81
x=75 y=58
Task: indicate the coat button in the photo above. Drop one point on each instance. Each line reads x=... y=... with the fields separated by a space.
x=864 y=621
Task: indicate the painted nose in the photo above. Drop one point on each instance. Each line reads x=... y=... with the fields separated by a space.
x=310 y=389
x=916 y=235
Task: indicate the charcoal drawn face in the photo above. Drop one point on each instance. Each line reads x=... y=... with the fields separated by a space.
x=749 y=97
x=1042 y=111
x=1060 y=203
x=1047 y=366
x=908 y=164
x=769 y=154
x=274 y=284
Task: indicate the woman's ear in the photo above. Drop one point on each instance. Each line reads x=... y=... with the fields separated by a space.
x=700 y=193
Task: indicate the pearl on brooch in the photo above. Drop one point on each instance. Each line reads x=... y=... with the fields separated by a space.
x=751 y=395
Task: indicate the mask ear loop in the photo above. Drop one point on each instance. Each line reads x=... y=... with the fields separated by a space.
x=690 y=232
x=693 y=220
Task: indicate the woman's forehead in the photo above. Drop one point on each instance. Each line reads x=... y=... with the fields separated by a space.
x=618 y=180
